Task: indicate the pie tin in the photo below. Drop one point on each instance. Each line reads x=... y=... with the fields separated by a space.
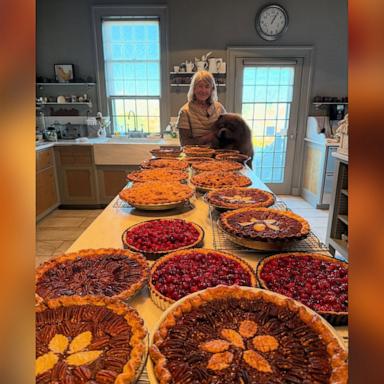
x=153 y=255
x=334 y=318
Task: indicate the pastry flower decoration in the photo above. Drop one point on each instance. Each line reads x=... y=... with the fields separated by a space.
x=222 y=358
x=75 y=354
x=260 y=225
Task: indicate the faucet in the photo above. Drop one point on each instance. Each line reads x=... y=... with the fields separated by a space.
x=134 y=118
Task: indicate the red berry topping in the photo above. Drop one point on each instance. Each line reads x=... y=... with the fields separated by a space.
x=194 y=271
x=162 y=235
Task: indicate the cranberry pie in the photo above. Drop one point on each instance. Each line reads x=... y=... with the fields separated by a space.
x=207 y=181
x=88 y=340
x=316 y=280
x=263 y=225
x=157 y=174
x=156 y=193
x=165 y=163
x=235 y=198
x=238 y=335
x=111 y=272
x=162 y=236
x=183 y=272
x=217 y=166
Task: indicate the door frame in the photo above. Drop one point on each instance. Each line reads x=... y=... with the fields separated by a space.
x=306 y=53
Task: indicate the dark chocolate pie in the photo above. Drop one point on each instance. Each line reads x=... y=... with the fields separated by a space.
x=110 y=272
x=232 y=335
x=88 y=340
x=264 y=224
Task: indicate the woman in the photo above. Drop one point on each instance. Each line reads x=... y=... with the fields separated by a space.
x=200 y=112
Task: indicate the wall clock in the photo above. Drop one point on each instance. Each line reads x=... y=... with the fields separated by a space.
x=271 y=21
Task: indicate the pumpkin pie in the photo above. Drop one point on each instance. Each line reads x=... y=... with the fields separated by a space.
x=109 y=272
x=88 y=340
x=157 y=174
x=232 y=335
x=215 y=180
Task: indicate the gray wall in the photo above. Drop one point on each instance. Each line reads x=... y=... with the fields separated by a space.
x=64 y=35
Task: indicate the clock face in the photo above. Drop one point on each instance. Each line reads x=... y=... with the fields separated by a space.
x=271 y=22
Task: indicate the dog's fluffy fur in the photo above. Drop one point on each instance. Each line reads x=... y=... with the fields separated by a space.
x=232 y=132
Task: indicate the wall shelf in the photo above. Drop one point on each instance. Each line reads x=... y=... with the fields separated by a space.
x=66 y=84
x=184 y=79
x=89 y=104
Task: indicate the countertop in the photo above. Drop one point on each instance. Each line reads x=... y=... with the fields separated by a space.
x=108 y=227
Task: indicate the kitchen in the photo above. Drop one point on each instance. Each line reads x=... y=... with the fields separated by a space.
x=86 y=168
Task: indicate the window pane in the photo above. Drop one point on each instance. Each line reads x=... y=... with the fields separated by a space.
x=259 y=111
x=247 y=112
x=249 y=76
x=262 y=75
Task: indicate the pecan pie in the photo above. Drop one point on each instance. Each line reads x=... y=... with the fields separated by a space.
x=165 y=163
x=220 y=166
x=157 y=174
x=316 y=280
x=166 y=152
x=183 y=272
x=111 y=272
x=239 y=157
x=219 y=152
x=156 y=193
x=88 y=340
x=216 y=180
x=264 y=224
x=235 y=198
x=234 y=335
x=198 y=151
x=162 y=236
x=194 y=160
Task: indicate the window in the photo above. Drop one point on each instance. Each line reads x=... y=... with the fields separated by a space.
x=131 y=50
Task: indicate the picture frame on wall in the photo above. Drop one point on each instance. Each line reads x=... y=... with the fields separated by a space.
x=64 y=73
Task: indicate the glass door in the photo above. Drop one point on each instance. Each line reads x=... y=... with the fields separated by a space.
x=267 y=95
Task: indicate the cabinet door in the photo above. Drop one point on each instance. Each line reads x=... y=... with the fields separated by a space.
x=111 y=182
x=44 y=159
x=46 y=194
x=78 y=185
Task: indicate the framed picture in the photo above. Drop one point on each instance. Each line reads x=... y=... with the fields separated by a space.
x=64 y=73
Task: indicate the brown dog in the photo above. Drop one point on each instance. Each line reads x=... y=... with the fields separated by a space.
x=232 y=132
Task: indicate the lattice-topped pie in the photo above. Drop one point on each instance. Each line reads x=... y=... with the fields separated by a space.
x=215 y=180
x=239 y=335
x=316 y=280
x=217 y=166
x=162 y=236
x=157 y=174
x=183 y=272
x=88 y=340
x=264 y=224
x=110 y=272
x=198 y=151
x=235 y=198
x=165 y=163
x=156 y=192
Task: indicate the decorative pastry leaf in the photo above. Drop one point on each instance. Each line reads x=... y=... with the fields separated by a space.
x=273 y=227
x=259 y=227
x=256 y=361
x=248 y=328
x=45 y=362
x=80 y=342
x=220 y=361
x=270 y=221
x=215 y=346
x=265 y=343
x=82 y=358
x=58 y=343
x=233 y=337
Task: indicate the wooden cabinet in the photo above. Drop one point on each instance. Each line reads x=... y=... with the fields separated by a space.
x=337 y=231
x=77 y=175
x=47 y=197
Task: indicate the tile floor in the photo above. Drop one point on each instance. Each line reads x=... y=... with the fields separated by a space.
x=57 y=231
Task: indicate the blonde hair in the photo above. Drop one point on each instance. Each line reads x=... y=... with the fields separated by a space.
x=206 y=77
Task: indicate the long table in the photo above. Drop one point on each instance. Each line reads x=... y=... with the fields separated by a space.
x=107 y=228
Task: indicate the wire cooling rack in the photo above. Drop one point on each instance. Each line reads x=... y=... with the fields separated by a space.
x=221 y=242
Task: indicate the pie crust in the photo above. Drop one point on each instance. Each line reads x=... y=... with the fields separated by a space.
x=327 y=270
x=163 y=301
x=194 y=160
x=88 y=339
x=225 y=151
x=217 y=166
x=206 y=181
x=264 y=224
x=115 y=273
x=210 y=337
x=156 y=193
x=166 y=152
x=239 y=157
x=198 y=151
x=157 y=174
x=165 y=163
x=161 y=236
x=235 y=198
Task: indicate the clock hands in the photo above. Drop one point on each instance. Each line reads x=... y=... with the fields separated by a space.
x=273 y=19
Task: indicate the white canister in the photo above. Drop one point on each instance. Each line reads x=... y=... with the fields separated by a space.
x=189 y=66
x=201 y=65
x=223 y=67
